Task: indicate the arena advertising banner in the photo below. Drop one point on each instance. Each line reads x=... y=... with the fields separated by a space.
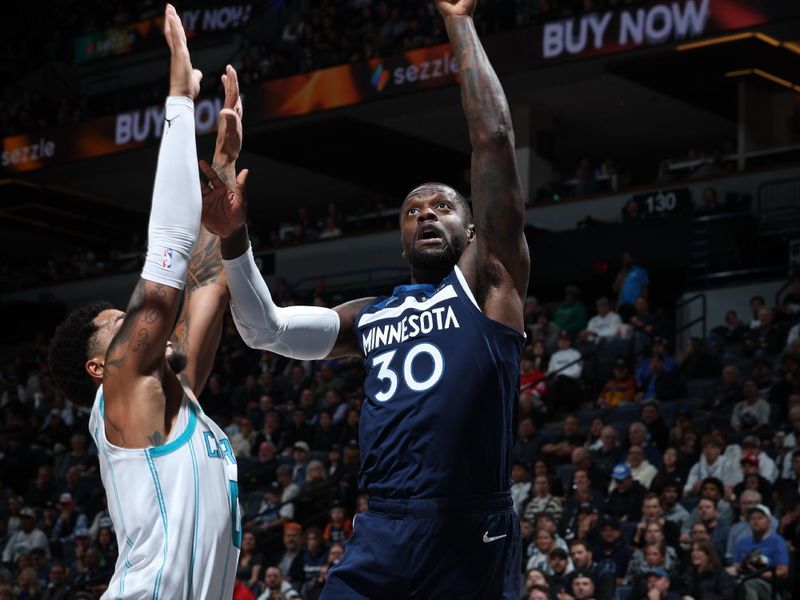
x=147 y=35
x=579 y=37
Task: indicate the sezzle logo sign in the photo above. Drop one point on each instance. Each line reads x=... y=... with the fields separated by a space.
x=379 y=78
x=442 y=67
x=33 y=152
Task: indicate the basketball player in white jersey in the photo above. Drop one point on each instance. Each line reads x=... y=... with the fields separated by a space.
x=168 y=470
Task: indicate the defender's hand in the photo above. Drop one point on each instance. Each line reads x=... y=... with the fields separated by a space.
x=224 y=209
x=229 y=133
x=183 y=79
x=456 y=8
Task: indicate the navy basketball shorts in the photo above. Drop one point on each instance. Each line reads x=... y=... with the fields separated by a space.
x=449 y=549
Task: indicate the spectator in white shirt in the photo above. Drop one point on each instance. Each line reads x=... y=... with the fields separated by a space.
x=756 y=304
x=641 y=469
x=712 y=464
x=605 y=324
x=752 y=413
x=794 y=335
x=26 y=538
x=521 y=488
x=566 y=358
x=752 y=445
x=566 y=365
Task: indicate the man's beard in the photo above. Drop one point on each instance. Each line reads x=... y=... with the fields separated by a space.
x=177 y=361
x=442 y=259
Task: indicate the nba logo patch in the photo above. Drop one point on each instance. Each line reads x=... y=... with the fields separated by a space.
x=166 y=259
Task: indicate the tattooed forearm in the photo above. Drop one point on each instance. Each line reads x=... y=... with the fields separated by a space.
x=205 y=264
x=484 y=101
x=180 y=336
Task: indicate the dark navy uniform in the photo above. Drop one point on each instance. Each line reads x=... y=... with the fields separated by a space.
x=436 y=438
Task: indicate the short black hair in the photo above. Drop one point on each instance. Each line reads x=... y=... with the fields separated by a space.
x=69 y=350
x=716 y=482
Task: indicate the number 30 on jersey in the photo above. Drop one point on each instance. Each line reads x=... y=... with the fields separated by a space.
x=391 y=379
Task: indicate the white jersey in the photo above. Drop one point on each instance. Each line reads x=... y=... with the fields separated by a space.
x=175 y=510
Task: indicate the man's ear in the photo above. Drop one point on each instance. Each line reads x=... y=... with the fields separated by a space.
x=470 y=232
x=95 y=367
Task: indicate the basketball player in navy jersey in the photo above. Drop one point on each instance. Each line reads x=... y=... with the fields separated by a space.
x=443 y=358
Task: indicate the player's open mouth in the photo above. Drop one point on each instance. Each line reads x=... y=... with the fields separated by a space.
x=429 y=234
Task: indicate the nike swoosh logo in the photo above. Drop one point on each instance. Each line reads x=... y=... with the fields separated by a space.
x=487 y=539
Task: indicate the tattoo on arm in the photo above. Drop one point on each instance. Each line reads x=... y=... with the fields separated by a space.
x=142 y=341
x=151 y=315
x=222 y=171
x=485 y=104
x=205 y=264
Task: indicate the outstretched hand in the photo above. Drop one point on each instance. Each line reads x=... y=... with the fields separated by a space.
x=456 y=8
x=229 y=134
x=224 y=209
x=183 y=79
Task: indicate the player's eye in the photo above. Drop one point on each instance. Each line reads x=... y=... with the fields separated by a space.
x=412 y=211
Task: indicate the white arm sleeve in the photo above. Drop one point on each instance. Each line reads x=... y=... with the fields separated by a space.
x=302 y=332
x=177 y=202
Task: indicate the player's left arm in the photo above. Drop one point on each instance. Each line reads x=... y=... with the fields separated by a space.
x=199 y=326
x=503 y=259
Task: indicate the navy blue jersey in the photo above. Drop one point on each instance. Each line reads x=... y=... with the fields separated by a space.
x=442 y=393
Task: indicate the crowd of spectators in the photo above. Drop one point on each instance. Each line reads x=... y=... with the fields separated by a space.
x=639 y=471
x=681 y=480
x=65 y=264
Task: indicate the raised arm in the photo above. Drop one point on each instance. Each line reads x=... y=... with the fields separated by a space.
x=302 y=332
x=199 y=326
x=135 y=374
x=503 y=264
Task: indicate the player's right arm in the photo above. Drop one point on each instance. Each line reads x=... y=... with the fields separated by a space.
x=502 y=268
x=302 y=332
x=135 y=379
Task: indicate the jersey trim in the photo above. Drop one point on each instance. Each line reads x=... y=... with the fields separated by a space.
x=196 y=517
x=155 y=451
x=473 y=305
x=463 y=281
x=104 y=450
x=179 y=441
x=163 y=510
x=410 y=303
x=414 y=287
x=128 y=541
